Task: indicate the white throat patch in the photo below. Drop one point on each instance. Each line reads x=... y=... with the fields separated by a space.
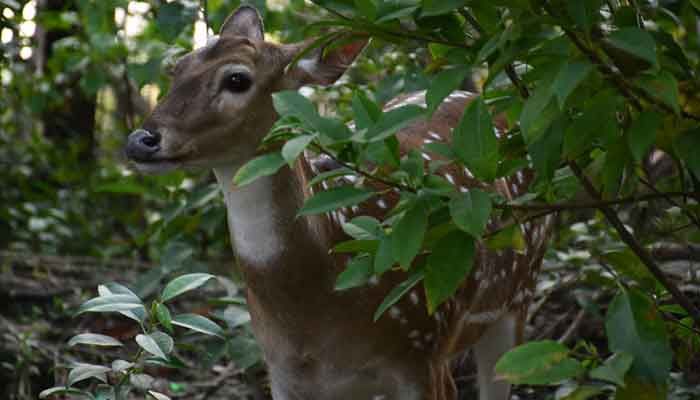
x=253 y=218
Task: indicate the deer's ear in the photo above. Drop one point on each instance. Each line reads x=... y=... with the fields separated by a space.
x=246 y=22
x=324 y=67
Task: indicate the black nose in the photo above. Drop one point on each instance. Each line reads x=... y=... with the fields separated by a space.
x=142 y=145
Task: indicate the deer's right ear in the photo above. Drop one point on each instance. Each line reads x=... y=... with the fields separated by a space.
x=246 y=22
x=322 y=67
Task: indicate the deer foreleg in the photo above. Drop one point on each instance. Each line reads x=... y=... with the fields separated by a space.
x=498 y=339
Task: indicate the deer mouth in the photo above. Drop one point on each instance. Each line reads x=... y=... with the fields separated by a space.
x=157 y=166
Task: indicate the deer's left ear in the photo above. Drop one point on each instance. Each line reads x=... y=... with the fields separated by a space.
x=246 y=22
x=324 y=67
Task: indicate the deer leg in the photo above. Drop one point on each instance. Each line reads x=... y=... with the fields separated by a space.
x=496 y=340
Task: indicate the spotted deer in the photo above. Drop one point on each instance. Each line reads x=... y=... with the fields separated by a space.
x=320 y=343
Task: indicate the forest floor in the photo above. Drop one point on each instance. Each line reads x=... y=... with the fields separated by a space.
x=40 y=294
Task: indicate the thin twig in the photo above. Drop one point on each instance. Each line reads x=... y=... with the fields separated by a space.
x=564 y=206
x=363 y=172
x=628 y=90
x=509 y=68
x=692 y=217
x=637 y=248
x=403 y=34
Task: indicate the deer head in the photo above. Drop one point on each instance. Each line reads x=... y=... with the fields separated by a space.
x=220 y=103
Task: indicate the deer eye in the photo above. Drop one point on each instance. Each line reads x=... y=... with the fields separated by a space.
x=238 y=82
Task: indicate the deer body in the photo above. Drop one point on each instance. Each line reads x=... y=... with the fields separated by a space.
x=320 y=343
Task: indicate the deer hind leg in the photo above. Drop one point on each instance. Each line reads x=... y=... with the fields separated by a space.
x=496 y=340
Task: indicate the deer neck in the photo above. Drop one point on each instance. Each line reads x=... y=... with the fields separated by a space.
x=266 y=233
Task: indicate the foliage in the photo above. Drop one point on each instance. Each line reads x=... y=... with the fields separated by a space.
x=586 y=91
x=156 y=345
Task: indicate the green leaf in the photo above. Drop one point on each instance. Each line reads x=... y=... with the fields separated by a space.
x=471 y=211
x=137 y=314
x=584 y=13
x=538 y=114
x=393 y=120
x=384 y=258
x=438 y=7
x=365 y=111
x=686 y=145
x=616 y=160
x=583 y=393
x=125 y=187
x=121 y=365
x=164 y=317
x=642 y=134
x=538 y=363
x=663 y=86
x=294 y=147
x=598 y=122
x=397 y=293
x=94 y=339
x=87 y=371
x=141 y=381
x=546 y=151
x=164 y=341
x=332 y=174
x=113 y=302
x=628 y=265
x=505 y=239
x=635 y=41
x=198 y=323
x=292 y=103
x=356 y=273
x=264 y=165
x=407 y=236
x=158 y=395
x=62 y=390
x=363 y=228
x=444 y=83
x=183 y=284
x=569 y=77
x=368 y=8
x=334 y=198
x=634 y=326
x=447 y=267
x=356 y=246
x=149 y=344
x=614 y=369
x=475 y=142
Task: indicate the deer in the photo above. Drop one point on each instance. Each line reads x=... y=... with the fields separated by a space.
x=319 y=343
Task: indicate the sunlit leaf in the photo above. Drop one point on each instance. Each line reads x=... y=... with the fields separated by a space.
x=183 y=284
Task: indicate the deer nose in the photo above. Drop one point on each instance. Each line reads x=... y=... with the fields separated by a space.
x=142 y=145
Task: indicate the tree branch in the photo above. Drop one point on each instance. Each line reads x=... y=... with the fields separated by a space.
x=637 y=248
x=676 y=252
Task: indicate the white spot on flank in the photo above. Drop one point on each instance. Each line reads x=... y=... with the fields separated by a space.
x=382 y=204
x=413 y=334
x=425 y=156
x=394 y=312
x=308 y=64
x=450 y=178
x=434 y=135
x=414 y=297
